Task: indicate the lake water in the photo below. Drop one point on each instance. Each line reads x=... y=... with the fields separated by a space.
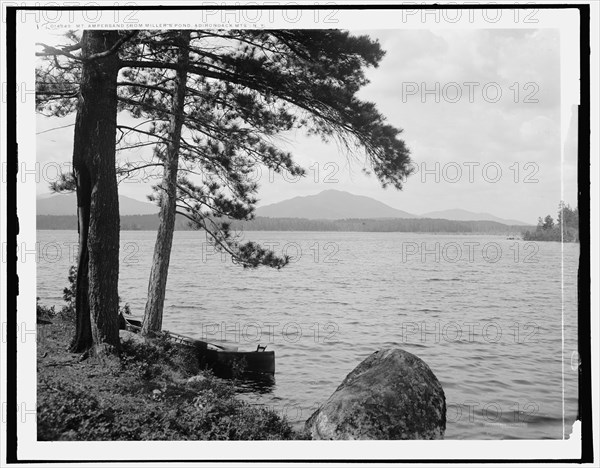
x=495 y=319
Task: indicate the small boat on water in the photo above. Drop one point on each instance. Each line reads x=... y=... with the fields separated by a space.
x=224 y=360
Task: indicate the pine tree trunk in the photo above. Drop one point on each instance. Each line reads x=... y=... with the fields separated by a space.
x=164 y=240
x=82 y=341
x=97 y=198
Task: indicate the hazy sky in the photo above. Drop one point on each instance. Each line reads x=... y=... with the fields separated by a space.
x=480 y=110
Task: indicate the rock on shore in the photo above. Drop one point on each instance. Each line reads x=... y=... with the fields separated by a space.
x=392 y=394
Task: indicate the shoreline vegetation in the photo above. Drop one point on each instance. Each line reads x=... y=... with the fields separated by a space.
x=565 y=229
x=151 y=223
x=154 y=390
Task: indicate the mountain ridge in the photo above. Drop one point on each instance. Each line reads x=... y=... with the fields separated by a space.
x=458 y=214
x=336 y=204
x=328 y=204
x=65 y=204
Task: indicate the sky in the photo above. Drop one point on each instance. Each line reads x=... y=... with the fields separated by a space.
x=480 y=113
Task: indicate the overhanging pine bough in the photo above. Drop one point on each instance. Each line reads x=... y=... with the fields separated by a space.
x=243 y=88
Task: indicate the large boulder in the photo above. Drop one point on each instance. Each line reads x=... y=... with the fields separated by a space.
x=390 y=395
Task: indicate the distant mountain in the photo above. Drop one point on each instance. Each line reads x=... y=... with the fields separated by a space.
x=464 y=215
x=66 y=204
x=331 y=204
x=326 y=205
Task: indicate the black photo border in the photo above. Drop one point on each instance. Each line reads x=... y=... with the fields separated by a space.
x=584 y=281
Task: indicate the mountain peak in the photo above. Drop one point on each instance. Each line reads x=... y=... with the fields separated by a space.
x=333 y=191
x=331 y=204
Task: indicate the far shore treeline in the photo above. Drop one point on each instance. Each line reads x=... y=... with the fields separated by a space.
x=565 y=229
x=151 y=222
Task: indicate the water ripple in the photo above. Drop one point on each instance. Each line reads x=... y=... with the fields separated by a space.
x=491 y=332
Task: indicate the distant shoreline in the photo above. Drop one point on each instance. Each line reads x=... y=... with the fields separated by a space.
x=416 y=225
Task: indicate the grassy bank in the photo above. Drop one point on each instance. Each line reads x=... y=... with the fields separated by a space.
x=155 y=391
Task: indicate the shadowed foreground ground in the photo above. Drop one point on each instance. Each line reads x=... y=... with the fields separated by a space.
x=153 y=392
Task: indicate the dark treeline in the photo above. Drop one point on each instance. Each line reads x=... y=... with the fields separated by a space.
x=151 y=222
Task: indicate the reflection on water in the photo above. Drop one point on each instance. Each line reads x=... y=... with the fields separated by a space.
x=495 y=319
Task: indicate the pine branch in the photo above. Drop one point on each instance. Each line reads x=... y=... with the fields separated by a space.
x=50 y=51
x=117 y=45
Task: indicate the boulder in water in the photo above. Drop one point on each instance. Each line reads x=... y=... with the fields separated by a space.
x=392 y=394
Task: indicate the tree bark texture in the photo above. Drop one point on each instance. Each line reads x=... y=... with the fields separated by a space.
x=97 y=300
x=157 y=283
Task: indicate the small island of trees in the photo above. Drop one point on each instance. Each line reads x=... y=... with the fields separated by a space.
x=565 y=229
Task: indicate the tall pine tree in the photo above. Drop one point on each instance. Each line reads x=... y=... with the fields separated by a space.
x=96 y=186
x=242 y=89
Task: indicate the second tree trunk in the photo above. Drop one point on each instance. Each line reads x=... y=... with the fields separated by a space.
x=162 y=250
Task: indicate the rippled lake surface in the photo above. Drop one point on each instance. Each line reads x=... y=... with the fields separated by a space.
x=495 y=319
